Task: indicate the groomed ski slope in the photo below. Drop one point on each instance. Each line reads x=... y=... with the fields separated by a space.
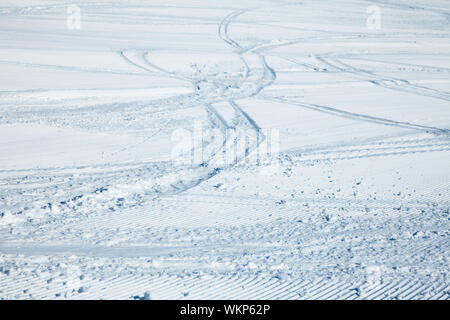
x=354 y=206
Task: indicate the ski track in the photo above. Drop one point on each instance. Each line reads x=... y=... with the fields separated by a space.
x=386 y=82
x=116 y=230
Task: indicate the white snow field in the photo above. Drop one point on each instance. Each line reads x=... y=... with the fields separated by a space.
x=354 y=206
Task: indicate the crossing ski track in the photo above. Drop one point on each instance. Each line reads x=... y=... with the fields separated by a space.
x=329 y=224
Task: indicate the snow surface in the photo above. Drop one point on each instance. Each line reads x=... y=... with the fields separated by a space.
x=356 y=207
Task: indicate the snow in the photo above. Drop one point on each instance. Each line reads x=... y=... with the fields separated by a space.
x=352 y=203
